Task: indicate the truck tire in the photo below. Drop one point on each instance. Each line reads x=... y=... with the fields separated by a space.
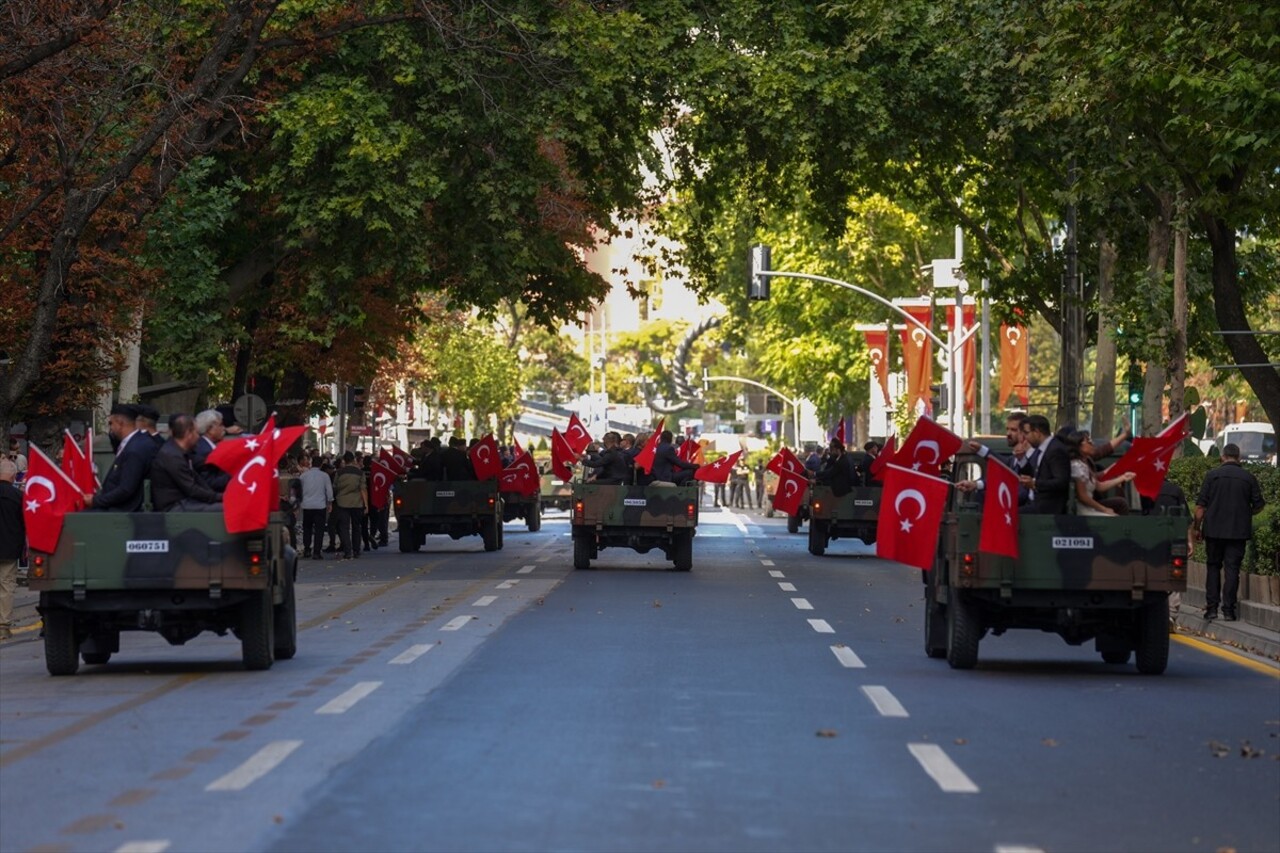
x=61 y=651
x=682 y=552
x=819 y=535
x=257 y=627
x=286 y=624
x=935 y=625
x=581 y=553
x=963 y=633
x=408 y=538
x=534 y=517
x=793 y=523
x=490 y=531
x=1153 y=635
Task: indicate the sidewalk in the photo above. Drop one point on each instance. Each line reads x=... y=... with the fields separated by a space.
x=1256 y=632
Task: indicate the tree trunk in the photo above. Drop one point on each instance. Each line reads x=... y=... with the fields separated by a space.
x=1178 y=352
x=1159 y=238
x=1104 y=381
x=1229 y=309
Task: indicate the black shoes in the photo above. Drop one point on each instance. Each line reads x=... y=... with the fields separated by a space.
x=1210 y=613
x=1229 y=614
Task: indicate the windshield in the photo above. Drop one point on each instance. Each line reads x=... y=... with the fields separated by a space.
x=1254 y=444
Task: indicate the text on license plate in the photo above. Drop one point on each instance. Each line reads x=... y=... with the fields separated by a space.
x=635 y=502
x=1072 y=542
x=146 y=546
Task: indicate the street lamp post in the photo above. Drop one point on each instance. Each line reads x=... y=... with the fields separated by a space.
x=793 y=402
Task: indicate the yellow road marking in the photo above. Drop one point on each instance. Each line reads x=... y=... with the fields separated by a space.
x=39 y=623
x=1226 y=654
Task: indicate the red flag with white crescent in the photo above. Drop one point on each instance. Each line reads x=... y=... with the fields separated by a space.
x=48 y=495
x=927 y=447
x=785 y=460
x=577 y=436
x=644 y=459
x=381 y=476
x=1014 y=351
x=485 y=458
x=883 y=458
x=917 y=356
x=393 y=462
x=77 y=466
x=521 y=476
x=562 y=456
x=790 y=493
x=718 y=471
x=911 y=510
x=999 y=533
x=1149 y=456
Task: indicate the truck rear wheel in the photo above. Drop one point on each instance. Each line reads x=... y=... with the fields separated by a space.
x=1153 y=635
x=408 y=538
x=490 y=531
x=819 y=535
x=257 y=624
x=286 y=624
x=793 y=523
x=963 y=633
x=935 y=625
x=61 y=651
x=534 y=517
x=682 y=552
x=581 y=553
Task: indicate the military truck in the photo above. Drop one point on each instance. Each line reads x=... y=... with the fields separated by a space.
x=176 y=573
x=638 y=517
x=795 y=521
x=455 y=507
x=527 y=508
x=1099 y=578
x=555 y=493
x=853 y=515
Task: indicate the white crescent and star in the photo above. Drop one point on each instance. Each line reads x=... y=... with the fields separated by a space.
x=1005 y=498
x=252 y=487
x=909 y=494
x=33 y=505
x=918 y=337
x=1013 y=334
x=937 y=454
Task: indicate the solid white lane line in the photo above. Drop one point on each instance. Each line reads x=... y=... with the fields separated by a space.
x=737 y=522
x=342 y=704
x=1017 y=848
x=767 y=563
x=485 y=601
x=822 y=626
x=886 y=703
x=802 y=604
x=508 y=584
x=525 y=570
x=455 y=623
x=942 y=769
x=157 y=846
x=786 y=587
x=259 y=764
x=412 y=653
x=776 y=574
x=847 y=657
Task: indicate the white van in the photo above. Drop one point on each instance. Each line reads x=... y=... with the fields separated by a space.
x=1257 y=441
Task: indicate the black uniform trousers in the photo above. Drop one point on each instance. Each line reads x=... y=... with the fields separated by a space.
x=1222 y=554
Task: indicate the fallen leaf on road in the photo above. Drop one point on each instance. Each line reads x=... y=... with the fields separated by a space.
x=960 y=741
x=1049 y=741
x=826 y=733
x=1247 y=750
x=659 y=783
x=1219 y=749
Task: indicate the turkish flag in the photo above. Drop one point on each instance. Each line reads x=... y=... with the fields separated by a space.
x=644 y=459
x=577 y=436
x=1014 y=352
x=562 y=456
x=393 y=462
x=878 y=349
x=883 y=458
x=839 y=432
x=970 y=351
x=917 y=356
x=521 y=476
x=718 y=471
x=785 y=460
x=999 y=510
x=254 y=490
x=47 y=497
x=485 y=458
x=77 y=466
x=790 y=492
x=687 y=451
x=910 y=516
x=406 y=461
x=1149 y=457
x=927 y=447
x=381 y=476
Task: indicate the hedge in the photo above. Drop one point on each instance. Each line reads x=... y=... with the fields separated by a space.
x=1264 y=549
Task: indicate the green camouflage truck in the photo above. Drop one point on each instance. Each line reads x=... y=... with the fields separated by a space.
x=851 y=516
x=1099 y=578
x=457 y=508
x=638 y=517
x=526 y=508
x=174 y=573
x=556 y=493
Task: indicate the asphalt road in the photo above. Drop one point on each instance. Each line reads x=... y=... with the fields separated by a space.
x=767 y=700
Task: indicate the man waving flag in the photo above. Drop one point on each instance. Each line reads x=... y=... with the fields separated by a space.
x=927 y=447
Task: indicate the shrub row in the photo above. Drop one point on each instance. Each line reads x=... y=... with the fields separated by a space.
x=1263 y=554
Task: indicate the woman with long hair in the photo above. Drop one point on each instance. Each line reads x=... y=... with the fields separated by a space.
x=1079 y=446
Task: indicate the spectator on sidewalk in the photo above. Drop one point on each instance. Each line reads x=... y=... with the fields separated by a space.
x=1229 y=498
x=12 y=541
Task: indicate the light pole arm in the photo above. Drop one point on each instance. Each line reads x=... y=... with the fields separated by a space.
x=794 y=403
x=867 y=293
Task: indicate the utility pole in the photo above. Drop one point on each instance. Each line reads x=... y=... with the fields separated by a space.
x=1071 y=314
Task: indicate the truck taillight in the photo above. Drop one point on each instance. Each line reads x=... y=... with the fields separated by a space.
x=1179 y=570
x=399 y=502
x=967 y=565
x=37 y=566
x=817 y=506
x=691 y=511
x=255 y=564
x=490 y=501
x=578 y=510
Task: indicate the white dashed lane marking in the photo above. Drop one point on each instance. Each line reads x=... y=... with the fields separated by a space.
x=822 y=626
x=942 y=769
x=259 y=764
x=786 y=587
x=508 y=584
x=455 y=623
x=525 y=570
x=484 y=601
x=767 y=563
x=802 y=604
x=1017 y=848
x=343 y=703
x=412 y=653
x=776 y=574
x=847 y=657
x=157 y=846
x=886 y=703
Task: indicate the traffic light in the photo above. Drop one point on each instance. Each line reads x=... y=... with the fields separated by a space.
x=1135 y=385
x=356 y=398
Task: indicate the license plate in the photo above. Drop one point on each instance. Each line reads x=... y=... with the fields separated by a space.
x=146 y=546
x=635 y=502
x=1073 y=542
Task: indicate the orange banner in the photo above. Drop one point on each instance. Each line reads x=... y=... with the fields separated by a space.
x=878 y=347
x=970 y=353
x=917 y=357
x=1014 y=350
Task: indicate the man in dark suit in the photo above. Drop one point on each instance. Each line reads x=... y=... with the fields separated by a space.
x=457 y=465
x=1229 y=499
x=611 y=465
x=839 y=470
x=175 y=485
x=122 y=490
x=210 y=432
x=667 y=466
x=1052 y=480
x=149 y=422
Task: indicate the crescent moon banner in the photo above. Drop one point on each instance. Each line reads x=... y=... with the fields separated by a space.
x=917 y=357
x=1014 y=355
x=878 y=345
